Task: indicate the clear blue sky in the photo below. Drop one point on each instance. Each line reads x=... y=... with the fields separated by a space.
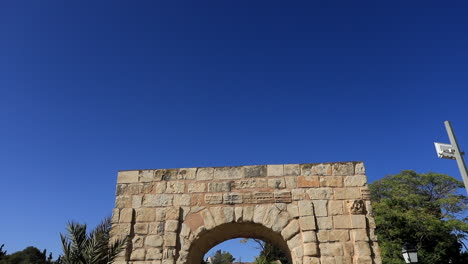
x=90 y=88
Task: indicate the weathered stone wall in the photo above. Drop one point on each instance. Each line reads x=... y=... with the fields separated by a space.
x=317 y=213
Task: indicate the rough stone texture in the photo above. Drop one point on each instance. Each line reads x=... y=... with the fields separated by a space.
x=174 y=216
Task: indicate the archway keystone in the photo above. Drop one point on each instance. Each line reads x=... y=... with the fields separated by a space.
x=315 y=213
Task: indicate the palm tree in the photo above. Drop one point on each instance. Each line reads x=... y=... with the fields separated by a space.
x=93 y=248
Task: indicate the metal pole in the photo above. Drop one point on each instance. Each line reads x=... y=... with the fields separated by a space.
x=458 y=154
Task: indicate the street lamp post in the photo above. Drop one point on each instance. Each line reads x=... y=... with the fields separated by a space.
x=410 y=254
x=452 y=151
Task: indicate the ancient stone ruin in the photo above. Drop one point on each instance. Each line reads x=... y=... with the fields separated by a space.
x=315 y=213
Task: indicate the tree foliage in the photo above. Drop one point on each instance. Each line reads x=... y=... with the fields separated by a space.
x=221 y=257
x=27 y=256
x=93 y=248
x=268 y=252
x=425 y=210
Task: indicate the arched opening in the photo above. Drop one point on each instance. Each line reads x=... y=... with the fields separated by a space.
x=208 y=239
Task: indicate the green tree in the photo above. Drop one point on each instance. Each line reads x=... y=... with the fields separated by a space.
x=27 y=256
x=93 y=248
x=424 y=210
x=221 y=258
x=268 y=251
x=2 y=252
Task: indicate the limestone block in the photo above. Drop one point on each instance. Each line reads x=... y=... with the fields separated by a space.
x=219 y=187
x=154 y=254
x=146 y=175
x=339 y=235
x=121 y=230
x=363 y=260
x=335 y=207
x=311 y=249
x=160 y=214
x=341 y=222
x=298 y=194
x=145 y=214
x=208 y=219
x=228 y=173
x=327 y=260
x=165 y=260
x=127 y=176
x=196 y=187
x=307 y=223
x=323 y=236
x=138 y=254
x=355 y=181
x=348 y=248
x=194 y=221
x=259 y=213
x=115 y=215
x=359 y=235
x=172 y=213
x=293 y=210
x=228 y=214
x=232 y=198
x=311 y=260
x=136 y=201
x=306 y=208
x=295 y=241
x=262 y=183
x=359 y=168
x=324 y=222
x=308 y=181
x=309 y=236
x=306 y=169
x=321 y=169
x=187 y=174
x=274 y=170
x=153 y=241
x=171 y=225
x=291 y=182
x=248 y=213
x=205 y=174
x=159 y=187
x=238 y=214
x=123 y=201
x=244 y=184
x=166 y=174
x=320 y=193
x=270 y=216
x=372 y=235
x=331 y=181
x=255 y=171
x=280 y=222
x=175 y=187
x=358 y=221
x=182 y=200
x=297 y=252
x=157 y=200
x=156 y=228
x=137 y=241
x=362 y=248
x=347 y=193
x=291 y=229
x=276 y=183
x=213 y=198
x=320 y=207
x=291 y=170
x=141 y=228
x=169 y=253
x=343 y=260
x=331 y=249
x=343 y=169
x=170 y=239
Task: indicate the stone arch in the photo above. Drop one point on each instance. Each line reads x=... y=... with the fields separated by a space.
x=316 y=213
x=219 y=234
